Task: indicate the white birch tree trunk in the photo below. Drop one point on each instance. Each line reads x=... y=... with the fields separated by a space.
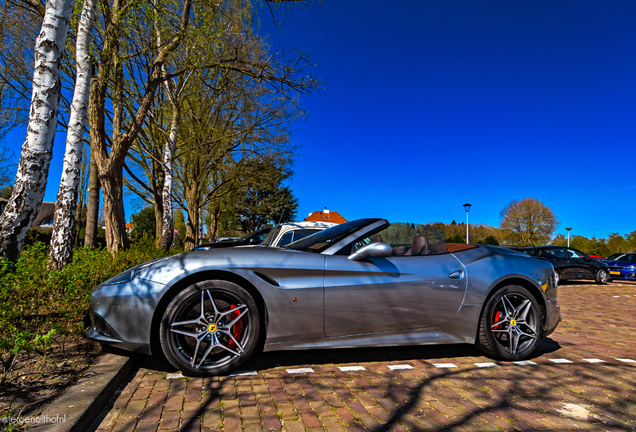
x=167 y=225
x=35 y=158
x=62 y=241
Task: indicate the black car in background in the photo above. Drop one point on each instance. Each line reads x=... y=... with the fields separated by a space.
x=569 y=263
x=254 y=238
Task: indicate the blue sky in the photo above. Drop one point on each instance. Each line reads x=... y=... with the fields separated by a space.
x=432 y=104
x=428 y=105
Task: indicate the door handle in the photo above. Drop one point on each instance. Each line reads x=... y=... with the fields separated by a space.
x=459 y=274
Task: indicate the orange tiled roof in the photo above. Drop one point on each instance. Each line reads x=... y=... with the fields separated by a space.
x=325 y=216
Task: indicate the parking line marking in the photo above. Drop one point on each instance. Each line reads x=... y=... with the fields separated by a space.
x=595 y=360
x=176 y=375
x=241 y=373
x=525 y=363
x=626 y=360
x=398 y=367
x=444 y=365
x=299 y=370
x=560 y=361
x=486 y=365
x=351 y=368
x=615 y=296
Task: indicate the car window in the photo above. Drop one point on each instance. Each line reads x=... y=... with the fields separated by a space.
x=292 y=236
x=576 y=254
x=554 y=253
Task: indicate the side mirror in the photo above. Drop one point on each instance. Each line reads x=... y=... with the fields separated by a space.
x=377 y=249
x=255 y=241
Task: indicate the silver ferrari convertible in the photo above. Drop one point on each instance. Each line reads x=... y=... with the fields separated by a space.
x=364 y=283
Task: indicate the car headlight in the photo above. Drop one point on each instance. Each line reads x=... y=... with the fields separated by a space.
x=130 y=274
x=631 y=267
x=126 y=276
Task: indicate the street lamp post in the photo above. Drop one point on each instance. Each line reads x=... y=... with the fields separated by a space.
x=467 y=208
x=568 y=230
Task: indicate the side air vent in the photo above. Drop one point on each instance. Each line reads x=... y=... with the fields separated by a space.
x=267 y=279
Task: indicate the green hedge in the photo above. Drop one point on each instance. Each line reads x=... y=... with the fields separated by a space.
x=37 y=304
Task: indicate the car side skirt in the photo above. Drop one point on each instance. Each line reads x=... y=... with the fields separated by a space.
x=461 y=329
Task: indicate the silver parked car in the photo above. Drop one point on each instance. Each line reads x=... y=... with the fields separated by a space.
x=359 y=284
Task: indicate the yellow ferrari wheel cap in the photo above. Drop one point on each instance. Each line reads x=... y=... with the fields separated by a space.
x=212 y=328
x=513 y=322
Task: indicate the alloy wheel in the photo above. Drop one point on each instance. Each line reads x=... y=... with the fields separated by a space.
x=514 y=324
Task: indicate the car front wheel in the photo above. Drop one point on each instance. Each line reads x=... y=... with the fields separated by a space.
x=510 y=325
x=601 y=277
x=210 y=328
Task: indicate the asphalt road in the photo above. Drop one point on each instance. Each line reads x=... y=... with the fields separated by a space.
x=583 y=377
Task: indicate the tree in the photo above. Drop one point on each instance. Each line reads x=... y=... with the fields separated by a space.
x=62 y=240
x=267 y=201
x=528 y=222
x=36 y=153
x=143 y=224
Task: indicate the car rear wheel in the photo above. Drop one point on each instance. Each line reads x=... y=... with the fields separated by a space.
x=510 y=325
x=210 y=328
x=602 y=277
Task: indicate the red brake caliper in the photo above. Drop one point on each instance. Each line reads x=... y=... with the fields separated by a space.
x=237 y=329
x=497 y=316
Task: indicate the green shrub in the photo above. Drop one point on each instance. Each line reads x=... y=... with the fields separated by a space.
x=38 y=304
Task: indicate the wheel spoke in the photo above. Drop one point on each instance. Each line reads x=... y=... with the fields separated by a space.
x=196 y=351
x=238 y=345
x=235 y=320
x=524 y=309
x=236 y=309
x=514 y=340
x=216 y=311
x=510 y=309
x=228 y=349
x=194 y=321
x=185 y=333
x=503 y=321
x=207 y=351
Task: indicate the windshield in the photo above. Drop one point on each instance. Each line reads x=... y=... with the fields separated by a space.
x=271 y=236
x=626 y=258
x=261 y=234
x=322 y=240
x=615 y=257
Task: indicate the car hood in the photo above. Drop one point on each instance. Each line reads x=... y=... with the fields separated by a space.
x=234 y=258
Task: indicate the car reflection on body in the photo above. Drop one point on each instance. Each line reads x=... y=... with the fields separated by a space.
x=364 y=283
x=623 y=266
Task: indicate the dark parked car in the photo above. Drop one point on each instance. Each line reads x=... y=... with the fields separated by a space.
x=569 y=263
x=255 y=238
x=623 y=266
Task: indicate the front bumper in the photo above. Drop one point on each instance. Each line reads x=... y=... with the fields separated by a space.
x=121 y=315
x=621 y=273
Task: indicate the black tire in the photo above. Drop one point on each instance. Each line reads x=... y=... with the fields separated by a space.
x=217 y=339
x=602 y=277
x=510 y=324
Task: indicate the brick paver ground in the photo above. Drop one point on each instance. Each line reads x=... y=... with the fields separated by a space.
x=590 y=386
